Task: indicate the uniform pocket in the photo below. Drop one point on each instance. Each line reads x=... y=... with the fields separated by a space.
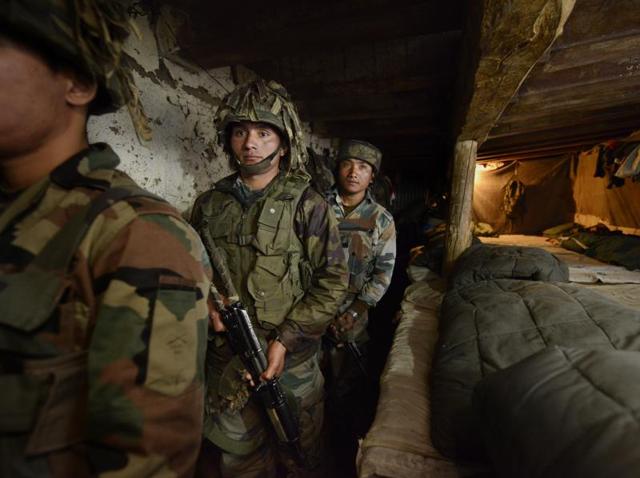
x=178 y=331
x=270 y=288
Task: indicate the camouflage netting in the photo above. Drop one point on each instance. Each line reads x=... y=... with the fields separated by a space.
x=266 y=102
x=86 y=33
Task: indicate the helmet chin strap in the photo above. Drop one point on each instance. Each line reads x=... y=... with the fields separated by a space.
x=259 y=167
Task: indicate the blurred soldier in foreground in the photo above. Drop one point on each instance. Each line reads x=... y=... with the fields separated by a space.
x=103 y=290
x=368 y=238
x=280 y=242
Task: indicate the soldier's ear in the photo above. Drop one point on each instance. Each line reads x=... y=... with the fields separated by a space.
x=283 y=150
x=79 y=91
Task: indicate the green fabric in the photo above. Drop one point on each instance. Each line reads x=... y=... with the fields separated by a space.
x=20 y=402
x=563 y=412
x=615 y=248
x=260 y=248
x=490 y=324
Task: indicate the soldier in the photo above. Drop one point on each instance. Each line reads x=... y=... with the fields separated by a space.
x=368 y=237
x=102 y=337
x=280 y=242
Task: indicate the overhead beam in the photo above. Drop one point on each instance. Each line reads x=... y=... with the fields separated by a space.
x=556 y=137
x=513 y=36
x=329 y=28
x=558 y=120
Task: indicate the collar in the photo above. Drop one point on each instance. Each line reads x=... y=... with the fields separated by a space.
x=335 y=194
x=76 y=170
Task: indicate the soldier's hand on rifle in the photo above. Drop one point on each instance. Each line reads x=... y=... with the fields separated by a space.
x=342 y=324
x=275 y=358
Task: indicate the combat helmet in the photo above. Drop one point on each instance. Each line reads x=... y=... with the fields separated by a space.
x=86 y=35
x=265 y=102
x=357 y=149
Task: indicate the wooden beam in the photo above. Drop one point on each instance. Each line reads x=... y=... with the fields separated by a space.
x=557 y=137
x=519 y=125
x=598 y=19
x=616 y=92
x=549 y=146
x=459 y=228
x=236 y=41
x=513 y=36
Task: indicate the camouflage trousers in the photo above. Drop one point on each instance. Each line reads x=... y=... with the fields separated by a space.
x=250 y=431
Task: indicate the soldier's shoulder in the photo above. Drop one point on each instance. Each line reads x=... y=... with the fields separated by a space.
x=384 y=214
x=140 y=200
x=140 y=211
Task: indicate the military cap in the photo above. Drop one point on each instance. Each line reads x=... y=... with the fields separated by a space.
x=265 y=102
x=87 y=35
x=356 y=149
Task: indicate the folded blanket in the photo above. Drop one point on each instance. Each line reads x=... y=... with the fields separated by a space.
x=564 y=413
x=490 y=325
x=484 y=261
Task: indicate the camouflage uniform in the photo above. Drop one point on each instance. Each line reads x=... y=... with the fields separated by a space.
x=120 y=357
x=102 y=338
x=368 y=238
x=282 y=249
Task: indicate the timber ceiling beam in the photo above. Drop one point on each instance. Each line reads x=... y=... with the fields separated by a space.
x=512 y=37
x=237 y=42
x=614 y=116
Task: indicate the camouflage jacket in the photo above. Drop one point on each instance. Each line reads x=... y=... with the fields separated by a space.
x=111 y=383
x=315 y=228
x=368 y=237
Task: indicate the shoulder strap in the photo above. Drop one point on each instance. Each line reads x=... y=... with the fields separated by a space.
x=28 y=197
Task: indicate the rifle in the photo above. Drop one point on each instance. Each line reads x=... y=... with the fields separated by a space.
x=354 y=350
x=244 y=342
x=246 y=345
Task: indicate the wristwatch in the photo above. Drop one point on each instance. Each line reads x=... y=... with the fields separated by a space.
x=353 y=313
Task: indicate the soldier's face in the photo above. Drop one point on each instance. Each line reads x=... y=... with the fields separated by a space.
x=252 y=142
x=354 y=175
x=32 y=98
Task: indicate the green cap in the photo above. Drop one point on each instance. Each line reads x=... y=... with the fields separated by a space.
x=265 y=102
x=87 y=34
x=356 y=149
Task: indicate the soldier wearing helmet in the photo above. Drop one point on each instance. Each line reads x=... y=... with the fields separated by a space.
x=280 y=242
x=102 y=338
x=368 y=237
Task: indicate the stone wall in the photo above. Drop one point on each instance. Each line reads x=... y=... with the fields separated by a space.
x=182 y=160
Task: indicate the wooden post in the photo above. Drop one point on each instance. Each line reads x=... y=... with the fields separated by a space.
x=459 y=229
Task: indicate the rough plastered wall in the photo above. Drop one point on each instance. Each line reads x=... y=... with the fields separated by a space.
x=182 y=160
